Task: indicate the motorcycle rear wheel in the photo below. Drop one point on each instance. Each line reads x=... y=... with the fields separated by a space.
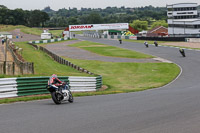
x=56 y=97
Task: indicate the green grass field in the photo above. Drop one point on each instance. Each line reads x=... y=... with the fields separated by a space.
x=107 y=50
x=10 y=27
x=24 y=29
x=56 y=32
x=43 y=64
x=129 y=77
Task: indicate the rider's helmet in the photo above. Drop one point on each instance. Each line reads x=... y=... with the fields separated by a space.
x=54 y=75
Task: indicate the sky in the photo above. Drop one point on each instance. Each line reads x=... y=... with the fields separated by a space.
x=59 y=4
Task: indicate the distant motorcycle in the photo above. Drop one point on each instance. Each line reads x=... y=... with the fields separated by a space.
x=182 y=52
x=120 y=41
x=156 y=44
x=146 y=44
x=60 y=94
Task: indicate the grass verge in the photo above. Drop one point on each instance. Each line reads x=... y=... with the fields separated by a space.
x=28 y=30
x=24 y=99
x=106 y=50
x=24 y=29
x=56 y=32
x=130 y=77
x=43 y=64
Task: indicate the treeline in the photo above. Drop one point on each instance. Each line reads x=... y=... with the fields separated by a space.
x=64 y=17
x=35 y=18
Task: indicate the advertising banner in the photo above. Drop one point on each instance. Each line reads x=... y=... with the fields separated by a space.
x=133 y=37
x=98 y=26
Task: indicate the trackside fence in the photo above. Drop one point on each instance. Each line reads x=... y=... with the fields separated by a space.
x=23 y=67
x=14 y=87
x=17 y=66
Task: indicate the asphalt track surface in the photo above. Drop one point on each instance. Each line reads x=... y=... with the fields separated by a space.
x=174 y=108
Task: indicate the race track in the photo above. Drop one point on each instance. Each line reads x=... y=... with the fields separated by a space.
x=174 y=108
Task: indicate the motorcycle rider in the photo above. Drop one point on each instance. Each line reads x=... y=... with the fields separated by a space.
x=156 y=44
x=54 y=81
x=146 y=44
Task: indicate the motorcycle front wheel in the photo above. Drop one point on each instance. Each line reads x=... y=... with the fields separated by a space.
x=71 y=99
x=56 y=97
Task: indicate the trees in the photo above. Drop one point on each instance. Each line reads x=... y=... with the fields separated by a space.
x=159 y=23
x=139 y=25
x=19 y=17
x=35 y=18
x=64 y=17
x=22 y=17
x=44 y=17
x=108 y=15
x=94 y=18
x=2 y=6
x=73 y=20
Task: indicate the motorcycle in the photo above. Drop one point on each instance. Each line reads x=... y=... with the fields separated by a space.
x=60 y=94
x=146 y=44
x=156 y=44
x=182 y=52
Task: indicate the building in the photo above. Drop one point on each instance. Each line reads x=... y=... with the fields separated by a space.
x=158 y=31
x=6 y=34
x=183 y=20
x=143 y=33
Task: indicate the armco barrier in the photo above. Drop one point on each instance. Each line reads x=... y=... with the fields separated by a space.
x=8 y=87
x=13 y=87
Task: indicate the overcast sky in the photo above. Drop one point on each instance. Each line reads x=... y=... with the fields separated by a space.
x=58 y=4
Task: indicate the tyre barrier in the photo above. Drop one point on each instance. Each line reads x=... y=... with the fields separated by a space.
x=110 y=36
x=14 y=87
x=49 y=40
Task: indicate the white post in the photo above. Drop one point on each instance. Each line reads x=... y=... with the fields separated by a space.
x=5 y=51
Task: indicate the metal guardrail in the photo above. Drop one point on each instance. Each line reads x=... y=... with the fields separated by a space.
x=8 y=87
x=13 y=87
